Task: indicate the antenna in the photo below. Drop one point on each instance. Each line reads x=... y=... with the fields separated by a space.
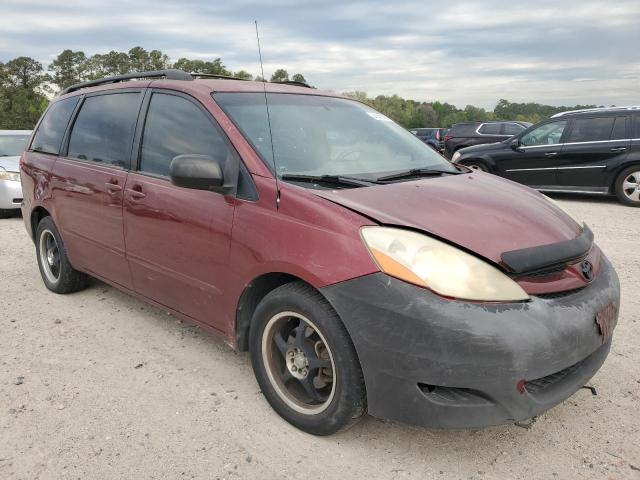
x=266 y=102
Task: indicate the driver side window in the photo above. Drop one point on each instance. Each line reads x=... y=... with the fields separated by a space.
x=547 y=134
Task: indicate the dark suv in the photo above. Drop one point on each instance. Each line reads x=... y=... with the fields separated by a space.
x=434 y=137
x=467 y=134
x=584 y=151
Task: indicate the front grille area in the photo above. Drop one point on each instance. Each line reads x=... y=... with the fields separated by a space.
x=541 y=384
x=453 y=395
x=555 y=295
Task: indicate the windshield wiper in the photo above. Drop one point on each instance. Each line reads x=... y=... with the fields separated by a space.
x=328 y=179
x=417 y=172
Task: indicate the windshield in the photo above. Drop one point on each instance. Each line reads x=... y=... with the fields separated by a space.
x=315 y=135
x=12 y=145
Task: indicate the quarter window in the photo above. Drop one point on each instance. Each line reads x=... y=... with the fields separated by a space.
x=512 y=129
x=619 y=131
x=104 y=128
x=176 y=126
x=490 y=129
x=52 y=127
x=547 y=134
x=636 y=129
x=591 y=129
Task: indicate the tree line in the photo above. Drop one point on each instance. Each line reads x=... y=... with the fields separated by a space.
x=26 y=87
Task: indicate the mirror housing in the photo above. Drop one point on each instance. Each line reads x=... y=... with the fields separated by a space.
x=199 y=172
x=515 y=143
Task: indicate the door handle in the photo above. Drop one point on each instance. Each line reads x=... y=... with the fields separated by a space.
x=618 y=149
x=113 y=187
x=136 y=192
x=551 y=154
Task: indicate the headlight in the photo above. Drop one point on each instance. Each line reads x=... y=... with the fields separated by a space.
x=565 y=210
x=13 y=176
x=455 y=157
x=448 y=271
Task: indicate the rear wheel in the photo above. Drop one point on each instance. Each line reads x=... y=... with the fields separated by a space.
x=305 y=362
x=57 y=273
x=627 y=186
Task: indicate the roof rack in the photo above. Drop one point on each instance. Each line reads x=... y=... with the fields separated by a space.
x=216 y=75
x=598 y=109
x=168 y=74
x=171 y=74
x=293 y=82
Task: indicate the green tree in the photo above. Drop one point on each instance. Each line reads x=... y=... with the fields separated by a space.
x=68 y=68
x=298 y=77
x=243 y=74
x=280 y=75
x=22 y=101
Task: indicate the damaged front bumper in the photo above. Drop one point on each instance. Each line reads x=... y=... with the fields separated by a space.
x=443 y=363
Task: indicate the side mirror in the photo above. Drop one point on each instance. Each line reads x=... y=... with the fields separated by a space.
x=200 y=172
x=515 y=143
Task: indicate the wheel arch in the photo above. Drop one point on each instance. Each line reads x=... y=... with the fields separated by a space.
x=251 y=296
x=616 y=173
x=37 y=215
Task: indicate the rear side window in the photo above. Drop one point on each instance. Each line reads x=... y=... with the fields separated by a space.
x=490 y=129
x=176 y=126
x=104 y=128
x=591 y=129
x=52 y=127
x=512 y=128
x=619 y=131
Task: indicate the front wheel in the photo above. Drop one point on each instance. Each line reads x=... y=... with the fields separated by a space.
x=305 y=362
x=627 y=186
x=478 y=166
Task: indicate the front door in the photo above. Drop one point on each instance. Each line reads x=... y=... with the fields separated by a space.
x=594 y=146
x=535 y=160
x=178 y=239
x=88 y=183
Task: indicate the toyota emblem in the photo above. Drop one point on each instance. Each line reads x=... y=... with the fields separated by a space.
x=587 y=270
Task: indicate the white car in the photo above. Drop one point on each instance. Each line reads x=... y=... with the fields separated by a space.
x=12 y=143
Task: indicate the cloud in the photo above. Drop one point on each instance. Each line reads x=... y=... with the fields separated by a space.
x=557 y=52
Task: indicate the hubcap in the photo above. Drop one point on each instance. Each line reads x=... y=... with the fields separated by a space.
x=49 y=256
x=631 y=186
x=298 y=363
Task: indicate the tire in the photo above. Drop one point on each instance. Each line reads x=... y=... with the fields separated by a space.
x=476 y=165
x=275 y=347
x=627 y=186
x=57 y=273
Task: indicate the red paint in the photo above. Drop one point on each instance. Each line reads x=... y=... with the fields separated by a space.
x=194 y=252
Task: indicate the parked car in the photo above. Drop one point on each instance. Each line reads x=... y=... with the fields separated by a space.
x=595 y=151
x=12 y=143
x=433 y=137
x=467 y=134
x=318 y=261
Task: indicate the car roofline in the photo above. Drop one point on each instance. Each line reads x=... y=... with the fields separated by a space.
x=597 y=110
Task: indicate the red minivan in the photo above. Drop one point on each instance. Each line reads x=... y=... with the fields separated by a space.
x=363 y=272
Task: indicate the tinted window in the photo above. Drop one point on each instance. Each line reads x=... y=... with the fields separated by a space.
x=512 y=128
x=490 y=129
x=103 y=130
x=51 y=130
x=591 y=129
x=547 y=134
x=619 y=129
x=175 y=126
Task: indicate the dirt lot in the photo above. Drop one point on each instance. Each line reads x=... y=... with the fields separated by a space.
x=113 y=388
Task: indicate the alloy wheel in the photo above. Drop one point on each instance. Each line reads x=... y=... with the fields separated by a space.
x=49 y=256
x=299 y=363
x=631 y=186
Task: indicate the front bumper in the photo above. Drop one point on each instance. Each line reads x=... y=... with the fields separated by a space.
x=10 y=195
x=442 y=363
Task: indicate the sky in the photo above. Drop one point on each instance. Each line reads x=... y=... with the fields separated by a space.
x=562 y=52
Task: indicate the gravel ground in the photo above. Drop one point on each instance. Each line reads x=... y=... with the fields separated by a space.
x=99 y=385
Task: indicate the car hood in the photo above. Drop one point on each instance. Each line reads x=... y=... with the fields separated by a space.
x=481 y=212
x=485 y=147
x=11 y=164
